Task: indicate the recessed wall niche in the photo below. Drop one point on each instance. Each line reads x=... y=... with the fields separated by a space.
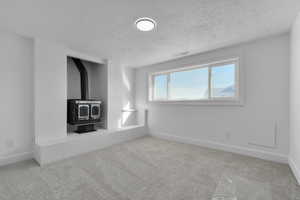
x=97 y=86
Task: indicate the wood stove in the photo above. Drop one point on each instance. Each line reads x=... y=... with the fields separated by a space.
x=84 y=112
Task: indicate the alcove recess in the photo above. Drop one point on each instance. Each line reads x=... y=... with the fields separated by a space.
x=98 y=84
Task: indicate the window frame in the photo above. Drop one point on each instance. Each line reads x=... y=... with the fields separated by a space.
x=236 y=100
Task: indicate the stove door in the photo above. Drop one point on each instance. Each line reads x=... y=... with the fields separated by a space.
x=83 y=112
x=95 y=111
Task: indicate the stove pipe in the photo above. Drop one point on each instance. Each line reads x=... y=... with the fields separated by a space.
x=84 y=81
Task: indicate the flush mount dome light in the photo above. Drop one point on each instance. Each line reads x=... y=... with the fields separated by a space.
x=145 y=24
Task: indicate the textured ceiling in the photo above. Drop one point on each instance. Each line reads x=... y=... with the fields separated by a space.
x=105 y=28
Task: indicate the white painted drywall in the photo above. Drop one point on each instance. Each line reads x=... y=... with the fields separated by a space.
x=50 y=91
x=121 y=95
x=263 y=119
x=16 y=102
x=294 y=156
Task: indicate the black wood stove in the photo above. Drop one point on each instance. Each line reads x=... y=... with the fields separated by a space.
x=84 y=112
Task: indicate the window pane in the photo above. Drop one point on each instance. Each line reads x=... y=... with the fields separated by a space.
x=190 y=84
x=160 y=87
x=223 y=81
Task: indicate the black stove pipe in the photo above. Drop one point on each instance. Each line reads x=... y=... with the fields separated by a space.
x=84 y=81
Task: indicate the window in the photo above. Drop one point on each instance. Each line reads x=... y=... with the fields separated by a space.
x=189 y=84
x=223 y=81
x=160 y=90
x=208 y=82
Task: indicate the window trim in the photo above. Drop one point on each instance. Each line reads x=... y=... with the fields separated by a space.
x=236 y=100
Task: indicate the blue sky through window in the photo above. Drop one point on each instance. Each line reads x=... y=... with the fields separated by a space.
x=190 y=84
x=223 y=81
x=160 y=89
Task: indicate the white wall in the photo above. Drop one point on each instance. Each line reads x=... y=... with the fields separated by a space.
x=121 y=95
x=294 y=156
x=50 y=91
x=16 y=102
x=262 y=120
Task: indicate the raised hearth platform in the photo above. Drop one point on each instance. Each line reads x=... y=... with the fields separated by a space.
x=75 y=144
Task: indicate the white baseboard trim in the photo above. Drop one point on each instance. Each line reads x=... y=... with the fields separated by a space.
x=226 y=147
x=295 y=169
x=15 y=158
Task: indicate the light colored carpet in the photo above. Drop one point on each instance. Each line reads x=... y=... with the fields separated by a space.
x=150 y=169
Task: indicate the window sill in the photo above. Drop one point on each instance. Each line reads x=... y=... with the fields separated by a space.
x=201 y=102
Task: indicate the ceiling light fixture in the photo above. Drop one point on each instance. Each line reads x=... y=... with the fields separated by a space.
x=145 y=24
